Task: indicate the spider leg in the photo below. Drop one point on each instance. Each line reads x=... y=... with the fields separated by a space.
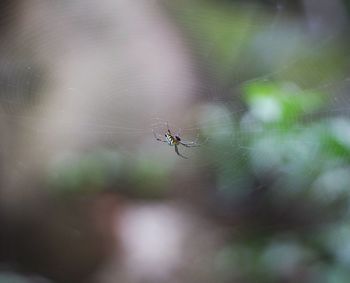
x=193 y=143
x=167 y=126
x=178 y=153
x=189 y=144
x=157 y=138
x=179 y=133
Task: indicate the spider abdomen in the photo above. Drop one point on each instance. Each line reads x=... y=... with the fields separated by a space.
x=170 y=140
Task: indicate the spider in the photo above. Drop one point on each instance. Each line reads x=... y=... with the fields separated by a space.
x=175 y=140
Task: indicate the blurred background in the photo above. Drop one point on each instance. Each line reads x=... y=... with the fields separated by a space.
x=87 y=194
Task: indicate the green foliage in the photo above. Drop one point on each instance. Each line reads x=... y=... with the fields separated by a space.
x=84 y=173
x=282 y=136
x=108 y=170
x=277 y=135
x=287 y=154
x=280 y=103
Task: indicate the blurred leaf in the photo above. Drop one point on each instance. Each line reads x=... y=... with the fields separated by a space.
x=280 y=102
x=91 y=172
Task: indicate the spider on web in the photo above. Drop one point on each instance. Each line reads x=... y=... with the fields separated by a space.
x=175 y=140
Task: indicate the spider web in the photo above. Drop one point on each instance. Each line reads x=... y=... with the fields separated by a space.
x=78 y=78
x=89 y=100
x=228 y=111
